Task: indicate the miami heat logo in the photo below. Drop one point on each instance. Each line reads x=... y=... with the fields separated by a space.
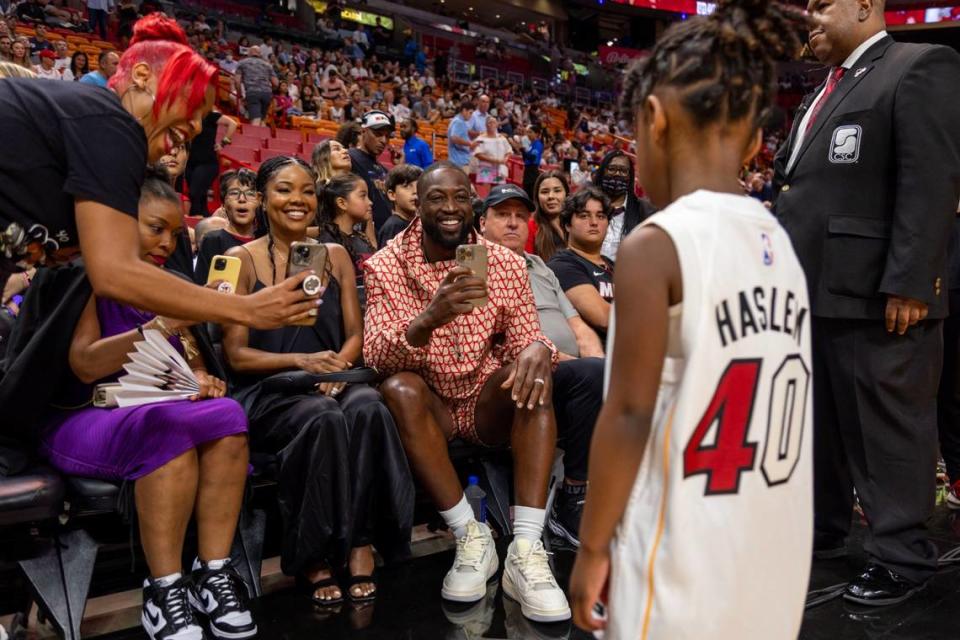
x=845 y=144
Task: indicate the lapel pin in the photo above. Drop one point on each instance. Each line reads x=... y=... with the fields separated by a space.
x=859 y=72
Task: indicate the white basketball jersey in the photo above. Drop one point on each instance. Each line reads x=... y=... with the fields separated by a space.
x=716 y=539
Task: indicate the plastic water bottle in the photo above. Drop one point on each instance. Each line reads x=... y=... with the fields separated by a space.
x=477 y=498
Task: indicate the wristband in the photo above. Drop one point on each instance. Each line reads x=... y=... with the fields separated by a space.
x=225 y=141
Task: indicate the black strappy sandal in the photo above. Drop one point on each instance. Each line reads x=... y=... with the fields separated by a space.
x=310 y=589
x=353 y=581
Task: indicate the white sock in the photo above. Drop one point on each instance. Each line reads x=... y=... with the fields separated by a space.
x=458 y=517
x=528 y=523
x=165 y=581
x=215 y=565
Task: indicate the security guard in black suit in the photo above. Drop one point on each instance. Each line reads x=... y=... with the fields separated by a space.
x=867 y=186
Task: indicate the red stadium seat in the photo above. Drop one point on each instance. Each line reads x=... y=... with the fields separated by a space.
x=244 y=155
x=266 y=154
x=248 y=140
x=287 y=147
x=293 y=135
x=256 y=130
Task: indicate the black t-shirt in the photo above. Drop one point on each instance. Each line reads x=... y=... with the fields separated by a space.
x=390 y=229
x=573 y=270
x=66 y=140
x=214 y=243
x=374 y=174
x=360 y=251
x=202 y=148
x=36 y=46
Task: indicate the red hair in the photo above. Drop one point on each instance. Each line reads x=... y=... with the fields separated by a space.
x=161 y=43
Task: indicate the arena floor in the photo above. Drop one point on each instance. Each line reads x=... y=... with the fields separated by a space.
x=409 y=606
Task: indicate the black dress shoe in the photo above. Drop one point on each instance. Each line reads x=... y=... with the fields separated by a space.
x=826 y=547
x=878 y=586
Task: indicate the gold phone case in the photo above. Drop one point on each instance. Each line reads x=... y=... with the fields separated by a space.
x=474 y=257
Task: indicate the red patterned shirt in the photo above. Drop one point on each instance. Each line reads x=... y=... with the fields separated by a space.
x=462 y=355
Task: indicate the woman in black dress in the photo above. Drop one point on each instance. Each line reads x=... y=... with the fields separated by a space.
x=344 y=483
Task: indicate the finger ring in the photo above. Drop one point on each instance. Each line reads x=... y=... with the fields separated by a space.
x=539 y=381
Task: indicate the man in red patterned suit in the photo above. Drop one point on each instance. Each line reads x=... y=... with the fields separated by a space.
x=482 y=374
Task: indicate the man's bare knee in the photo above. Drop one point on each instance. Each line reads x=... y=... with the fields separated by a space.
x=405 y=391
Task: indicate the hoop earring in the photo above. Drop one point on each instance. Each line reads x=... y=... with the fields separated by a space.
x=153 y=98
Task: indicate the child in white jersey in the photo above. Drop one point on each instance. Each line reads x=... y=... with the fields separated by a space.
x=699 y=514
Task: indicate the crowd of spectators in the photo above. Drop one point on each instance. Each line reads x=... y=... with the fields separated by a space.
x=552 y=246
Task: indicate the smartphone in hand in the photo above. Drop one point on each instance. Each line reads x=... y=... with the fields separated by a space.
x=474 y=257
x=308 y=256
x=226 y=269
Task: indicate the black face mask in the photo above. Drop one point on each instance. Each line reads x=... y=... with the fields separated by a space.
x=615 y=186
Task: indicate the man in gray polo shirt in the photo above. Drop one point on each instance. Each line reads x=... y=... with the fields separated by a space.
x=578 y=380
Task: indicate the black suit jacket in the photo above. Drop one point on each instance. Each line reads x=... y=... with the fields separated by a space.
x=870 y=200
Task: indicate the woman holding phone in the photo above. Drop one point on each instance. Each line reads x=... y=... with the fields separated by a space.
x=344 y=483
x=58 y=198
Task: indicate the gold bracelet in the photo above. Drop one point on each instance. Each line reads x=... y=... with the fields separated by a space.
x=163 y=328
x=189 y=348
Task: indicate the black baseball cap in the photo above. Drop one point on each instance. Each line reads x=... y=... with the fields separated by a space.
x=503 y=192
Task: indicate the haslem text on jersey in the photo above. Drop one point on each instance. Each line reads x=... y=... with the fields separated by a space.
x=760 y=309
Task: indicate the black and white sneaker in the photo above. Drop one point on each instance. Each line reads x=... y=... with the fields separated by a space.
x=564 y=520
x=166 y=613
x=220 y=595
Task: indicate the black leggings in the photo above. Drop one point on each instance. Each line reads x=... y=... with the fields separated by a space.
x=199 y=178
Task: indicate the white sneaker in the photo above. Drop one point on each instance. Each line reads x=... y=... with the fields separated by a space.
x=221 y=596
x=166 y=613
x=475 y=563
x=527 y=578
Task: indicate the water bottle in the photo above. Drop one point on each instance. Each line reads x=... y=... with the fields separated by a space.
x=477 y=498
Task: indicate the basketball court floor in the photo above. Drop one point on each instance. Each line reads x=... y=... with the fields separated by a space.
x=409 y=606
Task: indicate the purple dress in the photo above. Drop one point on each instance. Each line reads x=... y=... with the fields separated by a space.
x=130 y=442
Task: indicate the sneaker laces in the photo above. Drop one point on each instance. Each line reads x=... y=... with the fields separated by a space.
x=177 y=606
x=535 y=567
x=223 y=585
x=470 y=549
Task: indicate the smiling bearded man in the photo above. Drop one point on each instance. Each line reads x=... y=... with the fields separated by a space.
x=481 y=374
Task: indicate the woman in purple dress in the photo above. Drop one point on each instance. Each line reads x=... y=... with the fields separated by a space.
x=184 y=457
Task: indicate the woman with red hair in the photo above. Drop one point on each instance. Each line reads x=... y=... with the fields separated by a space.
x=74 y=163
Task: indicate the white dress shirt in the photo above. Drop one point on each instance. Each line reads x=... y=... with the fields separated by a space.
x=847 y=64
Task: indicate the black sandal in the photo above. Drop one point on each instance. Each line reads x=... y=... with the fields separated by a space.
x=310 y=588
x=353 y=581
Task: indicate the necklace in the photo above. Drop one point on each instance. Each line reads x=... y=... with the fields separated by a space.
x=271 y=249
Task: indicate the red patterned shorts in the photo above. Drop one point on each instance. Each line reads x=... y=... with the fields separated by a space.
x=464 y=414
